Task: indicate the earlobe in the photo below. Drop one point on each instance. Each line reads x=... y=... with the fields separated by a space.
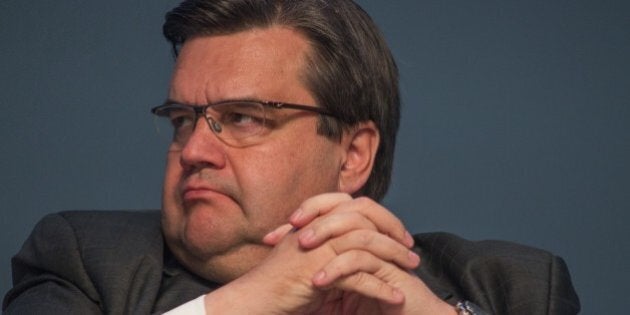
x=361 y=144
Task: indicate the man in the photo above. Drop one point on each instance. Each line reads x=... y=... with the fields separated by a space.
x=284 y=117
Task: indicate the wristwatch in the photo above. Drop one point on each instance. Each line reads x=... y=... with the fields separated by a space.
x=469 y=308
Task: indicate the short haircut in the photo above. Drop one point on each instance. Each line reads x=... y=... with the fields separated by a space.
x=350 y=70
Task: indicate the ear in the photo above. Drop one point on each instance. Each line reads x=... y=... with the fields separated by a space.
x=360 y=145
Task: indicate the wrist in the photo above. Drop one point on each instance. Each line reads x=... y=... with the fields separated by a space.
x=237 y=297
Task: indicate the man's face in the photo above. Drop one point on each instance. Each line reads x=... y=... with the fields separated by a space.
x=219 y=201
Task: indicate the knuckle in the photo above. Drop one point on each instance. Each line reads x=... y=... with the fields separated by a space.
x=363 y=238
x=361 y=279
x=307 y=204
x=364 y=202
x=344 y=196
x=355 y=255
x=369 y=283
x=354 y=216
x=381 y=286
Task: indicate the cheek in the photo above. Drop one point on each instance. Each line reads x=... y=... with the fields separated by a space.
x=172 y=175
x=171 y=209
x=269 y=169
x=282 y=177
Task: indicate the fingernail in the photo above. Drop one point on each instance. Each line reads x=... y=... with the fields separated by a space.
x=414 y=258
x=296 y=215
x=269 y=236
x=318 y=277
x=409 y=239
x=397 y=296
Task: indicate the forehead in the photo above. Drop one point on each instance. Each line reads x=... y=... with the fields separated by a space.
x=244 y=64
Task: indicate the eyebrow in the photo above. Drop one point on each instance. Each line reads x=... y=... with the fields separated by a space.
x=226 y=100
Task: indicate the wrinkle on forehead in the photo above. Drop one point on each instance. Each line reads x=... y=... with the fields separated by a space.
x=215 y=68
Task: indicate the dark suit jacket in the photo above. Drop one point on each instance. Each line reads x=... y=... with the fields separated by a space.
x=115 y=262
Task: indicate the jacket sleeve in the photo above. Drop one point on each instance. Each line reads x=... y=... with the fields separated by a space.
x=501 y=277
x=48 y=274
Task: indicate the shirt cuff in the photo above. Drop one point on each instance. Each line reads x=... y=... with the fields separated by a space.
x=194 y=307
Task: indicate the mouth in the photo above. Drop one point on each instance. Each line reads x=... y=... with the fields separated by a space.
x=202 y=192
x=193 y=194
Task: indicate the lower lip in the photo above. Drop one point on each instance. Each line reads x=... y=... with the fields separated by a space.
x=200 y=194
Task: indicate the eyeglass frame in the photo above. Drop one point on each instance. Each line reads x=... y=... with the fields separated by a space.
x=200 y=110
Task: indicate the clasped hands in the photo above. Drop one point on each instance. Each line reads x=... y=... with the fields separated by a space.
x=337 y=255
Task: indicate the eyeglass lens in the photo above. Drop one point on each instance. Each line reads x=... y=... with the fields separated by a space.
x=235 y=123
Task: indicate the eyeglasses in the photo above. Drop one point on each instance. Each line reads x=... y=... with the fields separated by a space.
x=237 y=123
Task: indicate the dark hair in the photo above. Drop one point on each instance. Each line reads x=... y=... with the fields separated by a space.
x=350 y=71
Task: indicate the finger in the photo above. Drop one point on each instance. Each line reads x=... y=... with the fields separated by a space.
x=352 y=262
x=379 y=245
x=371 y=286
x=384 y=221
x=360 y=272
x=272 y=238
x=316 y=206
x=333 y=225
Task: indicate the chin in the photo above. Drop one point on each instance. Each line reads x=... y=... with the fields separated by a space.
x=224 y=267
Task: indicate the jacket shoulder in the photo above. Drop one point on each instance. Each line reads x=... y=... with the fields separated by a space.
x=119 y=228
x=104 y=260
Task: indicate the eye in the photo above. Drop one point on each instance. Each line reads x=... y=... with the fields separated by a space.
x=243 y=116
x=181 y=119
x=241 y=119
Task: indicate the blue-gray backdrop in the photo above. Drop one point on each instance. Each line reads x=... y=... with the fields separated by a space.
x=515 y=121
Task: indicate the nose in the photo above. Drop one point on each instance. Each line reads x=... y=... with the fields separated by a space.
x=203 y=148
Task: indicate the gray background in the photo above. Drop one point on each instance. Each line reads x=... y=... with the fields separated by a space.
x=515 y=121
